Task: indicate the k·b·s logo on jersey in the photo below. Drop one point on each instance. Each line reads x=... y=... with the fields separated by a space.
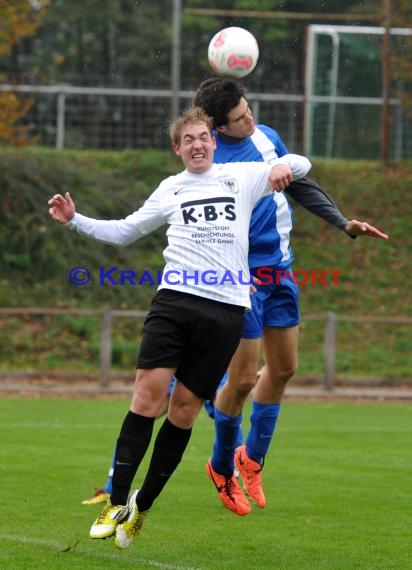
x=209 y=210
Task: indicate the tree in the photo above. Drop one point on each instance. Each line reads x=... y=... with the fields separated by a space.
x=18 y=19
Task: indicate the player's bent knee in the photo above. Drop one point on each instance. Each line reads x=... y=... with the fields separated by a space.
x=182 y=415
x=245 y=384
x=285 y=374
x=276 y=375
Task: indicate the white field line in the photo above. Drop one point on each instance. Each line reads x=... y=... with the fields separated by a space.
x=94 y=553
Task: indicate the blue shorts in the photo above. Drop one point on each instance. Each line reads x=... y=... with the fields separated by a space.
x=275 y=304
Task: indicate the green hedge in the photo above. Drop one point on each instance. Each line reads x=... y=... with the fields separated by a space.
x=37 y=255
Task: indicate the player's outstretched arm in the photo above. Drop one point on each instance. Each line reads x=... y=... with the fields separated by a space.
x=116 y=232
x=62 y=208
x=317 y=201
x=357 y=228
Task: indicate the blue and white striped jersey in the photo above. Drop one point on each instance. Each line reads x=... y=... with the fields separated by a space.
x=271 y=222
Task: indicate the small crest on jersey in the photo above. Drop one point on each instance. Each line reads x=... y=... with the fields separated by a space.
x=230 y=185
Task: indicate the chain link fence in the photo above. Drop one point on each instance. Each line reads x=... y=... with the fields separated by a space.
x=67 y=116
x=337 y=112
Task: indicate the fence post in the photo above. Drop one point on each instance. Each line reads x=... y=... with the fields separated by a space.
x=330 y=351
x=106 y=349
x=60 y=121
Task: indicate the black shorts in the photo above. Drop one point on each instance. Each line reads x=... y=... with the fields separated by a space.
x=197 y=336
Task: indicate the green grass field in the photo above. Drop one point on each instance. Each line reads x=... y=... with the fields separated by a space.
x=337 y=479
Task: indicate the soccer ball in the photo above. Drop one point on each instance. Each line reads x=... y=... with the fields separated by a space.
x=233 y=51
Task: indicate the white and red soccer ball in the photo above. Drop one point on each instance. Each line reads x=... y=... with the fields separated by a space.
x=233 y=51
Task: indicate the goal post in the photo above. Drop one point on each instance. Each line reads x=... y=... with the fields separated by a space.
x=343 y=92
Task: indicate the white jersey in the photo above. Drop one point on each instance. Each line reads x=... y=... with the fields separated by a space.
x=208 y=216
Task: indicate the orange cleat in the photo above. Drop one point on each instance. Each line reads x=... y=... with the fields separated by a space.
x=230 y=493
x=251 y=473
x=100 y=496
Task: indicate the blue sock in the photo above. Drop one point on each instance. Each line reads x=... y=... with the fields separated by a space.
x=226 y=440
x=262 y=427
x=108 y=485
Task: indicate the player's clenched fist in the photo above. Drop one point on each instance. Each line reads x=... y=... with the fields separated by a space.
x=280 y=177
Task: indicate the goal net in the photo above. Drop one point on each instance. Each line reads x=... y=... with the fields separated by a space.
x=344 y=91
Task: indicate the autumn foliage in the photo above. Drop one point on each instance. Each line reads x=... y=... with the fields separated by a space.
x=18 y=19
